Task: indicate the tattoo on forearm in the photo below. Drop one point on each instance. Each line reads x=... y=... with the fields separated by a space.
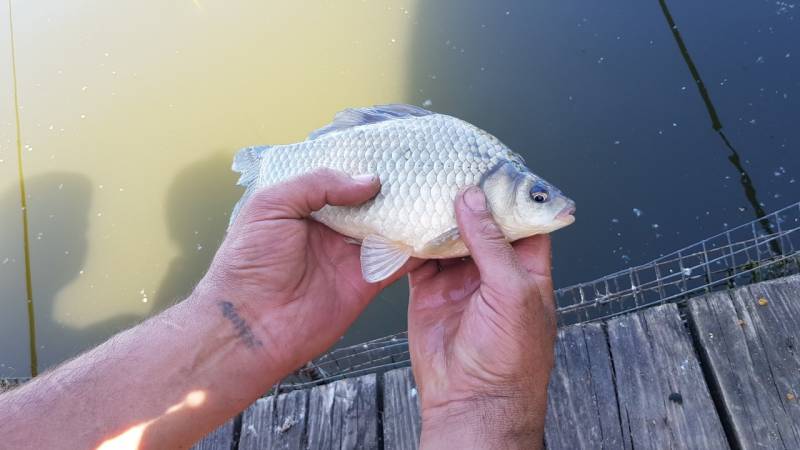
x=243 y=330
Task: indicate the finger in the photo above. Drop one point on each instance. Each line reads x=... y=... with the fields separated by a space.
x=300 y=196
x=424 y=272
x=534 y=254
x=489 y=248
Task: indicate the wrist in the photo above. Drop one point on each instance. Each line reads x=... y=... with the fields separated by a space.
x=487 y=423
x=238 y=332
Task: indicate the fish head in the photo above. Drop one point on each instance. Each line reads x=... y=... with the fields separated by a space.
x=524 y=204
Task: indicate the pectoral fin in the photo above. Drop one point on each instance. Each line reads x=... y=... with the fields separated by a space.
x=453 y=234
x=380 y=257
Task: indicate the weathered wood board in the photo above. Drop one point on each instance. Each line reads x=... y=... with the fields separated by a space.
x=581 y=402
x=663 y=398
x=275 y=422
x=749 y=341
x=344 y=414
x=219 y=439
x=401 y=419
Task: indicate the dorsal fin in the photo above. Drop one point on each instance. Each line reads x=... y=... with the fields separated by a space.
x=354 y=117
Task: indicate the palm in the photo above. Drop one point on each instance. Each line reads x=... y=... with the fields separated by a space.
x=455 y=330
x=312 y=275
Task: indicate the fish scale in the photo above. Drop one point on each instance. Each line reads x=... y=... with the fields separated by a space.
x=423 y=160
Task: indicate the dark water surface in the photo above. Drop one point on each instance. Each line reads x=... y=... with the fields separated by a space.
x=666 y=121
x=600 y=100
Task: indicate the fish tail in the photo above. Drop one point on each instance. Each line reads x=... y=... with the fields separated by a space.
x=247 y=162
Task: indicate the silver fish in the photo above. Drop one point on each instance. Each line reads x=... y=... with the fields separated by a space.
x=423 y=160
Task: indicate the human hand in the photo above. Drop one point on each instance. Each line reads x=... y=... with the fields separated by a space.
x=481 y=337
x=290 y=285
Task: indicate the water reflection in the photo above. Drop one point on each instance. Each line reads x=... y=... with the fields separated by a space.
x=747 y=183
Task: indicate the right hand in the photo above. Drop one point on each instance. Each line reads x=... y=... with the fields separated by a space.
x=481 y=337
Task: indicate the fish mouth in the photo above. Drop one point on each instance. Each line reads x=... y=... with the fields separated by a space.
x=565 y=216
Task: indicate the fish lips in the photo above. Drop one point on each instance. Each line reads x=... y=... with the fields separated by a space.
x=566 y=215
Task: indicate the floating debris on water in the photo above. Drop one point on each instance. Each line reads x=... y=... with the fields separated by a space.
x=762 y=301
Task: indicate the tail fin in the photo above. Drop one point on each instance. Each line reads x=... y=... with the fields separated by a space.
x=247 y=161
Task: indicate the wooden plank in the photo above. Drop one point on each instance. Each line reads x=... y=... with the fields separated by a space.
x=663 y=397
x=219 y=439
x=275 y=423
x=582 y=407
x=344 y=414
x=401 y=419
x=749 y=340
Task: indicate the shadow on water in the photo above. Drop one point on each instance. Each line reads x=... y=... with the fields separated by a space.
x=197 y=208
x=747 y=183
x=198 y=205
x=58 y=208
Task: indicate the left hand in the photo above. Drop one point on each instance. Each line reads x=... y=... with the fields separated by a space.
x=295 y=282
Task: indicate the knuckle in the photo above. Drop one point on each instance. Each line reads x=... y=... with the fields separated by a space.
x=489 y=230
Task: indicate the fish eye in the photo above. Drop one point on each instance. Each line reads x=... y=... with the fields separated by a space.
x=539 y=197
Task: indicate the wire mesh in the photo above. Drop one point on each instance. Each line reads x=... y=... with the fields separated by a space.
x=763 y=249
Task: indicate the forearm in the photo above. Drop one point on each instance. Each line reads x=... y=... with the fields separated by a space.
x=164 y=383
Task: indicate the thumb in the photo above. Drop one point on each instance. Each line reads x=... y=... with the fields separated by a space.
x=298 y=197
x=490 y=250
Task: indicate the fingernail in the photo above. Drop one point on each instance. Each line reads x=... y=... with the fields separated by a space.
x=474 y=199
x=365 y=178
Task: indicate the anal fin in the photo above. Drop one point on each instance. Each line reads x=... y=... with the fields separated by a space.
x=381 y=257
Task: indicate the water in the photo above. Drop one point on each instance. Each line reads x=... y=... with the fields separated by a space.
x=130 y=114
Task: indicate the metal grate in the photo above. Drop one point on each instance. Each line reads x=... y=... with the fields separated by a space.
x=765 y=248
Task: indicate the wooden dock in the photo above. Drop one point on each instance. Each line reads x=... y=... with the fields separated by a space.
x=721 y=372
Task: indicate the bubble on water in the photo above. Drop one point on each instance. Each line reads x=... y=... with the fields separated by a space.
x=601 y=59
x=779 y=171
x=683 y=88
x=752 y=121
x=626 y=259
x=6 y=260
x=791 y=181
x=674 y=124
x=614 y=220
x=617 y=142
x=80 y=273
x=776 y=196
x=686 y=271
x=427 y=103
x=654 y=226
x=787 y=55
x=84 y=88
x=199 y=247
x=50 y=127
x=760 y=60
x=393 y=40
x=60 y=186
x=637 y=212
x=83 y=116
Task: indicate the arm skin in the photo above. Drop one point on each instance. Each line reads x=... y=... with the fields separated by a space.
x=481 y=337
x=281 y=290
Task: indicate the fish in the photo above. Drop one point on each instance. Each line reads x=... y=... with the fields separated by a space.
x=423 y=159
